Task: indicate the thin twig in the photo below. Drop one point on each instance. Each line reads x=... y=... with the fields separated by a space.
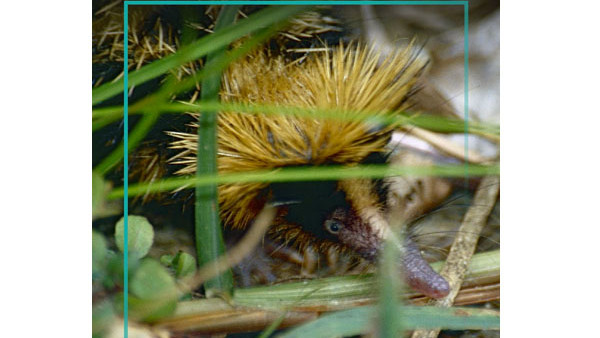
x=464 y=244
x=468 y=296
x=452 y=149
x=234 y=320
x=236 y=254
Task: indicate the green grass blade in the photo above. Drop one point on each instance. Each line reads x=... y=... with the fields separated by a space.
x=360 y=320
x=389 y=307
x=137 y=134
x=307 y=174
x=209 y=237
x=440 y=124
x=432 y=122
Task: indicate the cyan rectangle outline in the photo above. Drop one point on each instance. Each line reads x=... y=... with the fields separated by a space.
x=465 y=4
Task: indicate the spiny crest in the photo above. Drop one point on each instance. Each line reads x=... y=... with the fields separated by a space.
x=345 y=80
x=146 y=43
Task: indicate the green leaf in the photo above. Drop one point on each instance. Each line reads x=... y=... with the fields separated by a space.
x=152 y=280
x=100 y=189
x=359 y=320
x=167 y=260
x=99 y=250
x=140 y=236
x=184 y=264
x=102 y=317
x=154 y=293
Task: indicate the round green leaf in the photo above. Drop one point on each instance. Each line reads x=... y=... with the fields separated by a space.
x=139 y=236
x=152 y=280
x=154 y=291
x=184 y=264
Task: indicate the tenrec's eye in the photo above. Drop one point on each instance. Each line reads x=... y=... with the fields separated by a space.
x=333 y=226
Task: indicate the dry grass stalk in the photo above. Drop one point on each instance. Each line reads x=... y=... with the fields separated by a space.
x=465 y=243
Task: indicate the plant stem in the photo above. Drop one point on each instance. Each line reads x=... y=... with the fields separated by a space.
x=209 y=238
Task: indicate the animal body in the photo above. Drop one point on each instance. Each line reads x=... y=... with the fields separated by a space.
x=348 y=215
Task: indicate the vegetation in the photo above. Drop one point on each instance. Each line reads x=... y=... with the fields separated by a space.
x=158 y=291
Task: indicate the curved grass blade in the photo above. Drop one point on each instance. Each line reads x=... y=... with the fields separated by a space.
x=137 y=134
